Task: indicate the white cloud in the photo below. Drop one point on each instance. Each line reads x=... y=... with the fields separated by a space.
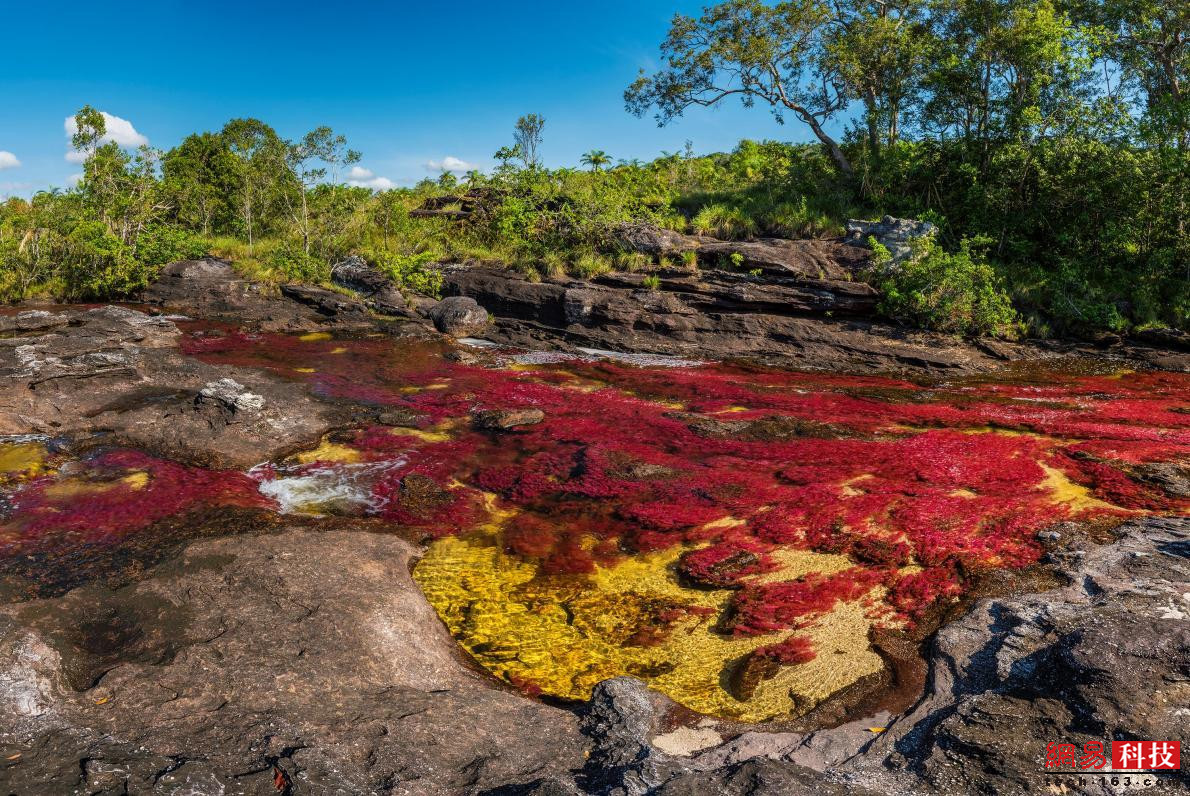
x=118 y=130
x=74 y=179
x=360 y=177
x=8 y=160
x=375 y=183
x=450 y=163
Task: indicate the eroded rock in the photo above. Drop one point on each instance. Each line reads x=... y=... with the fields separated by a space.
x=459 y=316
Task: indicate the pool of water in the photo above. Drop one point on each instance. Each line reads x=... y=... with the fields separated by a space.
x=730 y=534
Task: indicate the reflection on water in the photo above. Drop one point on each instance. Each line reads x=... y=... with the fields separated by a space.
x=730 y=534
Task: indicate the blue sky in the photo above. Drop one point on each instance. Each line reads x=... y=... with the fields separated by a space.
x=410 y=84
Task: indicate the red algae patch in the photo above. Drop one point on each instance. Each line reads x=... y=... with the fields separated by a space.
x=682 y=525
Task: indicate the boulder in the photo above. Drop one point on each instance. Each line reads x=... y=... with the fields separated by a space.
x=459 y=316
x=653 y=240
x=380 y=292
x=895 y=234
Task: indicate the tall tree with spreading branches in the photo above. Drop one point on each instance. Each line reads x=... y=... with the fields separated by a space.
x=754 y=51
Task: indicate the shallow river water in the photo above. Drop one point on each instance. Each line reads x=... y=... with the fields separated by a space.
x=736 y=536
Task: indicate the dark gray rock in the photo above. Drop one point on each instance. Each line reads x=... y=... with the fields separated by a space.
x=1105 y=657
x=118 y=371
x=895 y=234
x=653 y=240
x=380 y=292
x=800 y=322
x=210 y=288
x=459 y=316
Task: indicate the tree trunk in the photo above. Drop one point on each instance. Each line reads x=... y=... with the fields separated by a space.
x=831 y=144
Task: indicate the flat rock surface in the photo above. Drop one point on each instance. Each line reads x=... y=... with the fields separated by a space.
x=119 y=372
x=313 y=652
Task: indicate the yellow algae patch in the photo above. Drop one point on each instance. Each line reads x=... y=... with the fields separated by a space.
x=22 y=460
x=1076 y=496
x=303 y=370
x=77 y=487
x=793 y=564
x=339 y=350
x=563 y=634
x=731 y=410
x=439 y=433
x=314 y=337
x=328 y=452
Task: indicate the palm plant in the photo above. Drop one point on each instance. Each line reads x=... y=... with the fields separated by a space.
x=596 y=159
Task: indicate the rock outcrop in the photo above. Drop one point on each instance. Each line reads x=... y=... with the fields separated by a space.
x=895 y=234
x=459 y=316
x=380 y=292
x=799 y=321
x=211 y=289
x=118 y=372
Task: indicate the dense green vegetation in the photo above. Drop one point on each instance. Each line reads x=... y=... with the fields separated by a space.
x=1049 y=140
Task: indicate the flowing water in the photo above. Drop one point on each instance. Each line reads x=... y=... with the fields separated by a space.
x=733 y=535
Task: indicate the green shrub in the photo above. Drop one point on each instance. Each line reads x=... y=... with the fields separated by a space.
x=652 y=282
x=950 y=292
x=411 y=272
x=159 y=244
x=97 y=265
x=725 y=222
x=295 y=265
x=589 y=265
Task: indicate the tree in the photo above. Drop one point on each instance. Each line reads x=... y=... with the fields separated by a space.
x=745 y=48
x=596 y=159
x=319 y=146
x=259 y=166
x=879 y=48
x=1150 y=40
x=199 y=176
x=527 y=138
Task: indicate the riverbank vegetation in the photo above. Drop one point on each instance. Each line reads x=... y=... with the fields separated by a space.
x=1048 y=140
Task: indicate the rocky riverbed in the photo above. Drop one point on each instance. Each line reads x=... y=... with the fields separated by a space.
x=308 y=543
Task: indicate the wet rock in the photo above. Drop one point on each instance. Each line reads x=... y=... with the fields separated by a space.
x=749 y=673
x=505 y=419
x=378 y=290
x=1019 y=672
x=1171 y=477
x=1175 y=339
x=31 y=321
x=314 y=653
x=459 y=316
x=760 y=777
x=326 y=302
x=405 y=418
x=895 y=234
x=777 y=428
x=118 y=371
x=816 y=260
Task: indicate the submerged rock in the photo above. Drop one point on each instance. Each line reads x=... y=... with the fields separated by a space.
x=505 y=419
